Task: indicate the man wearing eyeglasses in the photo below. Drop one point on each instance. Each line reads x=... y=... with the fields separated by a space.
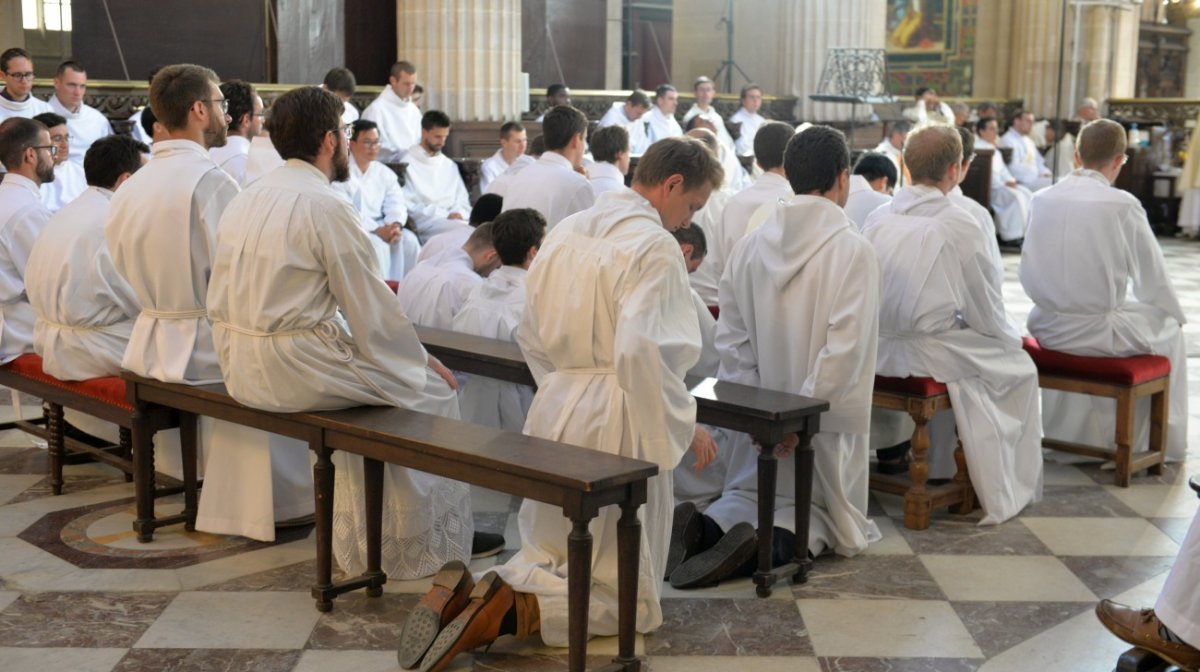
x=17 y=99
x=69 y=179
x=28 y=155
x=86 y=123
x=246 y=122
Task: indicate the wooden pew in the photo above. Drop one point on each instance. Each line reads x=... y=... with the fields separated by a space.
x=765 y=415
x=579 y=480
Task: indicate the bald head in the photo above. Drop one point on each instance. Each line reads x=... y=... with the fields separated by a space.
x=932 y=155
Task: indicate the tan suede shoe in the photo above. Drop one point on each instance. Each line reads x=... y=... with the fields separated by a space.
x=1140 y=627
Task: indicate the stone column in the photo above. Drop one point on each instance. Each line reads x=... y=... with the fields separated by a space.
x=807 y=29
x=12 y=32
x=468 y=55
x=1036 y=27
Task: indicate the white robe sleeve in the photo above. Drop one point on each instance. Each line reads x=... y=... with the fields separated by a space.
x=18 y=242
x=983 y=300
x=462 y=200
x=531 y=345
x=395 y=209
x=1148 y=270
x=419 y=209
x=738 y=361
x=709 y=359
x=118 y=289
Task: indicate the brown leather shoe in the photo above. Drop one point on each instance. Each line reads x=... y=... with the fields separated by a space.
x=1140 y=627
x=450 y=594
x=493 y=612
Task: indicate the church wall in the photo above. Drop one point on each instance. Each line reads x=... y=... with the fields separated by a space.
x=11 y=32
x=311 y=39
x=698 y=43
x=575 y=30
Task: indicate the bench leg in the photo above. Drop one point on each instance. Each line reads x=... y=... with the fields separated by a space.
x=189 y=454
x=1124 y=454
x=373 y=494
x=1141 y=660
x=804 y=487
x=143 y=475
x=963 y=480
x=57 y=443
x=629 y=541
x=918 y=505
x=768 y=468
x=1159 y=403
x=323 y=491
x=126 y=450
x=579 y=591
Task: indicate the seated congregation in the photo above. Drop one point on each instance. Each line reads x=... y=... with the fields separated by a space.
x=257 y=256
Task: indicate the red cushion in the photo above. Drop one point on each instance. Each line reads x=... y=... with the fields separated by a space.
x=1120 y=370
x=911 y=386
x=393 y=285
x=716 y=312
x=109 y=390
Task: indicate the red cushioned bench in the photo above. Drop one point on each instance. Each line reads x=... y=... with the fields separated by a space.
x=103 y=398
x=1125 y=379
x=921 y=398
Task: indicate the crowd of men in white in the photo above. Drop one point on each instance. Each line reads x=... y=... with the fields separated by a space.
x=219 y=254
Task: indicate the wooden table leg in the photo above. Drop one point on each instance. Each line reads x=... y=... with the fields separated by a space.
x=768 y=468
x=579 y=590
x=629 y=539
x=143 y=478
x=56 y=441
x=127 y=450
x=189 y=453
x=918 y=503
x=323 y=490
x=373 y=493
x=805 y=458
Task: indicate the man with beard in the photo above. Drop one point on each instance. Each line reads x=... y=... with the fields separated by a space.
x=69 y=179
x=294 y=276
x=245 y=109
x=28 y=156
x=437 y=198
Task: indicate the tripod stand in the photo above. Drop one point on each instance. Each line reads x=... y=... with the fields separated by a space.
x=729 y=65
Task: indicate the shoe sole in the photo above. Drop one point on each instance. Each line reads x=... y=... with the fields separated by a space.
x=437 y=659
x=736 y=547
x=490 y=551
x=423 y=624
x=686 y=530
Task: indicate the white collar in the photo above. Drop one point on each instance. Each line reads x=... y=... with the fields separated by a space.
x=23 y=182
x=604 y=169
x=1093 y=174
x=556 y=159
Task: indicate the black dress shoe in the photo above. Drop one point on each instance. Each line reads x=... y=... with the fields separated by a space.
x=486 y=544
x=687 y=530
x=719 y=562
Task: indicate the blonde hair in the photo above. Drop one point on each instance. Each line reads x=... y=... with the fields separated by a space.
x=688 y=157
x=1100 y=142
x=929 y=152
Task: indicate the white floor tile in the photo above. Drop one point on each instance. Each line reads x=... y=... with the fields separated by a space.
x=897 y=628
x=1158 y=501
x=220 y=620
x=1101 y=536
x=44 y=660
x=1008 y=578
x=728 y=663
x=346 y=661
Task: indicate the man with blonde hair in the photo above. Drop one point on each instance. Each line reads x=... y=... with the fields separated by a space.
x=609 y=330
x=942 y=316
x=1088 y=244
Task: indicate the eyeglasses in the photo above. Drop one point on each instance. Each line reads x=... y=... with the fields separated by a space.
x=369 y=144
x=221 y=103
x=345 y=129
x=60 y=138
x=28 y=76
x=53 y=149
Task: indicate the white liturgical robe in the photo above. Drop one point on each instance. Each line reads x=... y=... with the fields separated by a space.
x=433 y=189
x=751 y=122
x=381 y=201
x=1010 y=203
x=233 y=157
x=28 y=108
x=863 y=200
x=451 y=239
x=605 y=176
x=494 y=166
x=349 y=112
x=436 y=289
x=703 y=486
x=86 y=124
x=85 y=309
x=713 y=117
x=707 y=278
x=984 y=219
x=22 y=218
x=1178 y=605
x=137 y=131
x=609 y=331
x=261 y=159
x=1027 y=164
x=303 y=322
x=942 y=316
x=661 y=125
x=639 y=139
x=69 y=182
x=799 y=314
x=552 y=187
x=493 y=309
x=1089 y=244
x=399 y=123
x=886 y=147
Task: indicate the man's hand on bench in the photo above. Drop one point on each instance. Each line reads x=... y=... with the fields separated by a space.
x=703 y=447
x=442 y=371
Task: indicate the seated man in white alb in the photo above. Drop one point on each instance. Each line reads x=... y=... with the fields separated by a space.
x=484 y=210
x=69 y=180
x=398 y=116
x=893 y=144
x=799 y=314
x=735 y=176
x=493 y=309
x=302 y=322
x=433 y=292
x=556 y=94
x=246 y=122
x=85 y=122
x=962 y=114
x=630 y=115
x=510 y=157
x=871 y=186
x=376 y=193
x=749 y=118
x=976 y=210
x=942 y=316
x=342 y=83
x=433 y=186
x=553 y=185
x=660 y=121
x=16 y=98
x=928 y=109
x=499 y=184
x=85 y=309
x=1088 y=244
x=610 y=149
x=1010 y=199
x=1027 y=163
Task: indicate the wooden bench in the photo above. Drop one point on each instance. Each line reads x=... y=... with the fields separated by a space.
x=921 y=399
x=103 y=398
x=766 y=415
x=1125 y=379
x=579 y=480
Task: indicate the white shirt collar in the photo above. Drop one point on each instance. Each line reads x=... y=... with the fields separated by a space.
x=556 y=159
x=18 y=180
x=604 y=169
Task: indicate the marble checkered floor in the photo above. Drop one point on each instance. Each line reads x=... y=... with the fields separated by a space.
x=78 y=593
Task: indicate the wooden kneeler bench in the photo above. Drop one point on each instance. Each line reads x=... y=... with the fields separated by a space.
x=921 y=398
x=103 y=398
x=579 y=480
x=1125 y=379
